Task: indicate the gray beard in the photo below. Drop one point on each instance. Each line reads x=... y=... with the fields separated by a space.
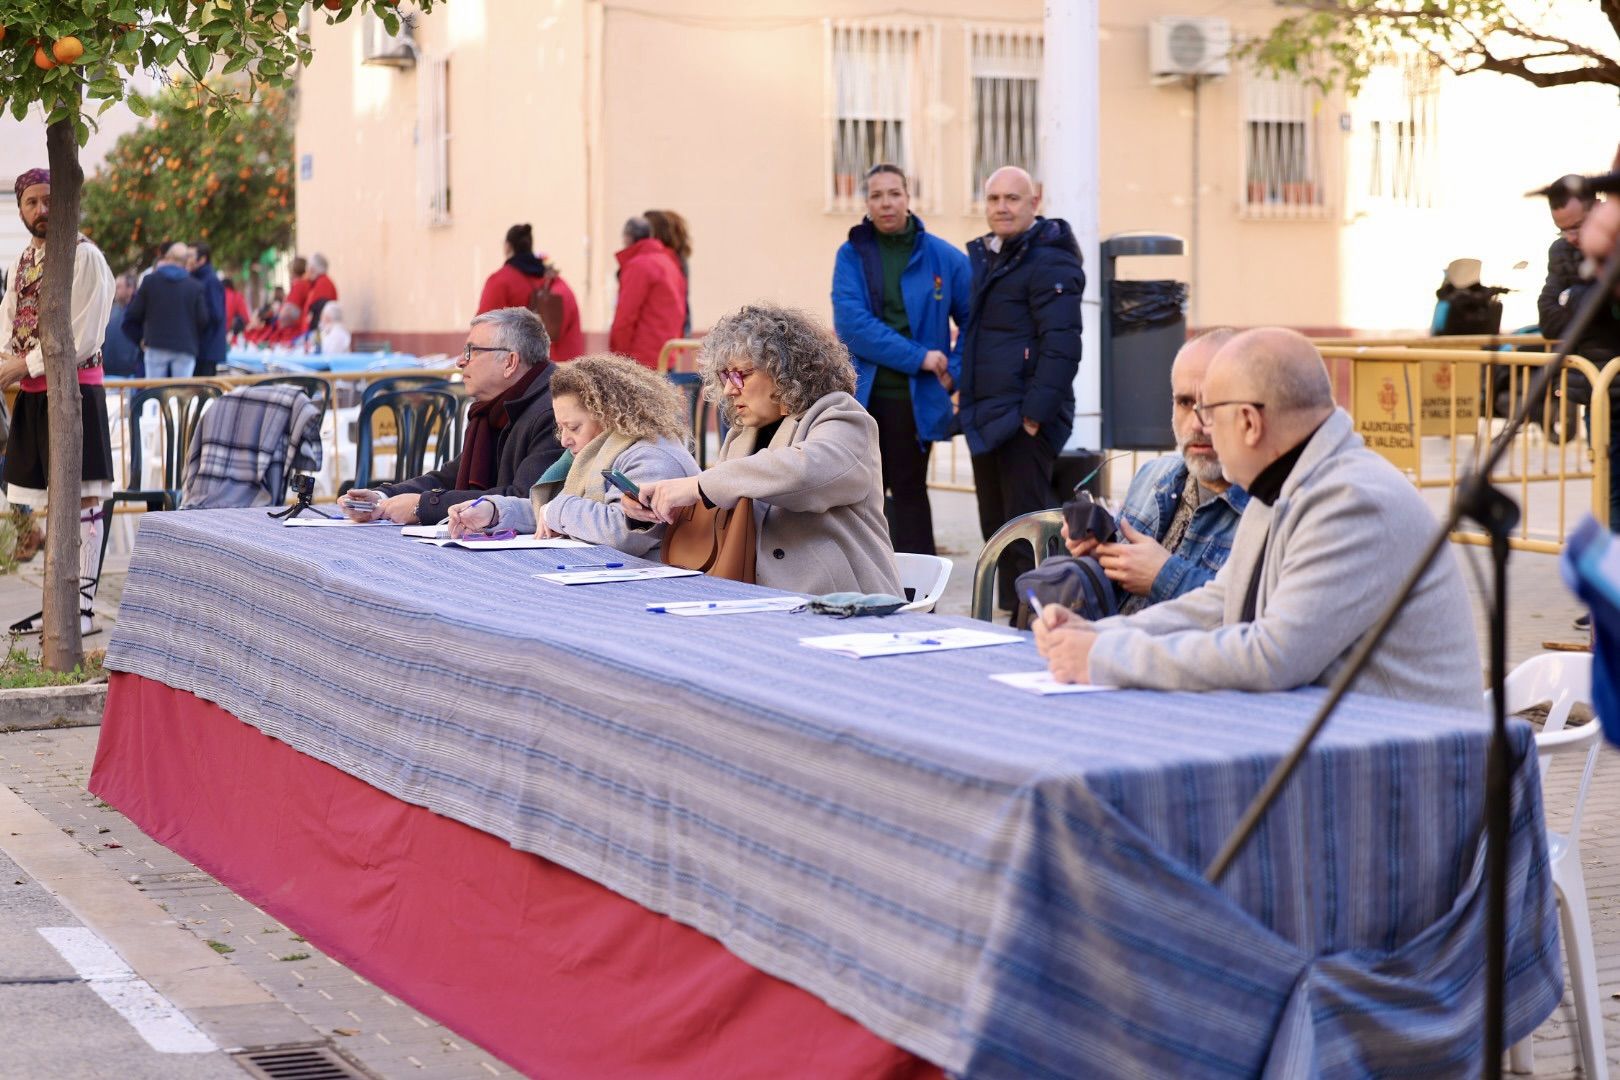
x=1205 y=470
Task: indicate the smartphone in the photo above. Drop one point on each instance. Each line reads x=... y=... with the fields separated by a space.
x=349 y=501
x=622 y=482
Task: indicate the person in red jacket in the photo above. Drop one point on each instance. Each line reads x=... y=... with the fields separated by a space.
x=321 y=290
x=298 y=287
x=521 y=274
x=237 y=316
x=652 y=296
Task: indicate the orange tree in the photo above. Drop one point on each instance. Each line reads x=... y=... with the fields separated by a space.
x=172 y=179
x=72 y=59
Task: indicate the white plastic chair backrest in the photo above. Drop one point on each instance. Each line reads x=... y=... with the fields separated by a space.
x=1562 y=679
x=925 y=575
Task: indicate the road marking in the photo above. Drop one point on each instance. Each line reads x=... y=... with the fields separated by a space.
x=164 y=1027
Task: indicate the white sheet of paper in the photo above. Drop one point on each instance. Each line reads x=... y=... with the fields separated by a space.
x=1041 y=682
x=602 y=577
x=431 y=532
x=331 y=523
x=728 y=607
x=517 y=543
x=861 y=646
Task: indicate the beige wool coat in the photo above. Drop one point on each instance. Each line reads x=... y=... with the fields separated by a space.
x=818 y=500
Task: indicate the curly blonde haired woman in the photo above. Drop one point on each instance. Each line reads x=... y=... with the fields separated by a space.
x=801 y=447
x=612 y=413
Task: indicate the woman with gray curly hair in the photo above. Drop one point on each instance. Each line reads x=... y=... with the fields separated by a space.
x=801 y=447
x=612 y=414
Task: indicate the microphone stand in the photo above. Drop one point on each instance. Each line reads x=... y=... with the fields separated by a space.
x=1497 y=514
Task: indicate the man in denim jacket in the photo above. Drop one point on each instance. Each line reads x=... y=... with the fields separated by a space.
x=1180 y=513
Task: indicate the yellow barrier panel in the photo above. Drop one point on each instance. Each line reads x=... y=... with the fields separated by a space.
x=1381 y=405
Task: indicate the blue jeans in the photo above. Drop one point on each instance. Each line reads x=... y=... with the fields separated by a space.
x=168 y=364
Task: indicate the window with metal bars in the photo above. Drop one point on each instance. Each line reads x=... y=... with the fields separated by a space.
x=1398 y=107
x=1004 y=87
x=1282 y=147
x=433 y=139
x=877 y=94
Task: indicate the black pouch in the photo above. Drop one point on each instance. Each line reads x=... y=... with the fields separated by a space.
x=1077 y=584
x=1086 y=516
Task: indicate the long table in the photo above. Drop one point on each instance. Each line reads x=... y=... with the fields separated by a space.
x=996 y=883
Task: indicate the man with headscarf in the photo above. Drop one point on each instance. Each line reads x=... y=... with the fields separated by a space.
x=22 y=361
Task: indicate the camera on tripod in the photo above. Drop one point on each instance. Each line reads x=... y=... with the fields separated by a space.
x=302 y=486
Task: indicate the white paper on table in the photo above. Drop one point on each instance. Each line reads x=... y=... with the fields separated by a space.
x=1041 y=682
x=728 y=607
x=517 y=543
x=331 y=523
x=431 y=532
x=861 y=646
x=602 y=577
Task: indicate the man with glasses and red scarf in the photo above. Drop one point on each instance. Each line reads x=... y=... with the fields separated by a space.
x=22 y=361
x=511 y=435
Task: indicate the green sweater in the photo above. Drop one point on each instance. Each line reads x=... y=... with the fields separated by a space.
x=895 y=252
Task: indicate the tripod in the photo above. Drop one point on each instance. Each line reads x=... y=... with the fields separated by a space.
x=304 y=487
x=1478 y=500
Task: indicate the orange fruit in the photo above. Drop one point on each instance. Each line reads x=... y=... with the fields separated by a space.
x=334 y=5
x=67 y=50
x=2 y=33
x=42 y=59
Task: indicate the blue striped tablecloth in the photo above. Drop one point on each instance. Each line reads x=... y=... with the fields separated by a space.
x=1004 y=884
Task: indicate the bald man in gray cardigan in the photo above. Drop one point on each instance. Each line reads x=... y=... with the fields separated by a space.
x=1330 y=531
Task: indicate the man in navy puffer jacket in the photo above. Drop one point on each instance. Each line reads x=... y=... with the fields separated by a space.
x=1019 y=358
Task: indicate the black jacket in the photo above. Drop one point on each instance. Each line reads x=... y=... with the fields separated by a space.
x=214 y=344
x=170 y=311
x=1563 y=271
x=1023 y=337
x=525 y=448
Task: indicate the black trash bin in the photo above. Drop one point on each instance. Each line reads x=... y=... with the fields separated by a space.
x=1144 y=326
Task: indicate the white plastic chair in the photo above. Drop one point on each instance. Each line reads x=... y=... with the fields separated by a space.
x=1564 y=679
x=925 y=575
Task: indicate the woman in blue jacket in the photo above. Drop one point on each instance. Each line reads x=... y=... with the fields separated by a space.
x=896 y=290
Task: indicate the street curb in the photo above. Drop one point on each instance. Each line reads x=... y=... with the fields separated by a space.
x=45 y=707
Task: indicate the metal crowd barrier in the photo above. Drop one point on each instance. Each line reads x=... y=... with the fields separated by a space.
x=1441 y=400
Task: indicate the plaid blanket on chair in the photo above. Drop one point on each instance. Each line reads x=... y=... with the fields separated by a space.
x=247 y=443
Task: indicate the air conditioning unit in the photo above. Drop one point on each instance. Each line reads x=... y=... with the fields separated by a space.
x=1189 y=46
x=378 y=46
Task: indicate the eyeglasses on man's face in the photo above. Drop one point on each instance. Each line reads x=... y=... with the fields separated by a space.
x=735 y=377
x=469 y=349
x=1207 y=410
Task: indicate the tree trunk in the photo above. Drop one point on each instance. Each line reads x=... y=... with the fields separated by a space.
x=61 y=648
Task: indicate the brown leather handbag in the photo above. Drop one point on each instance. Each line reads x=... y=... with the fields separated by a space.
x=719 y=542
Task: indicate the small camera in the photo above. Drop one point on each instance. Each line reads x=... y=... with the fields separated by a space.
x=303 y=486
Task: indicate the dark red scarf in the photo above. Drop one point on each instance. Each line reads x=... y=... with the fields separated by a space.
x=478 y=468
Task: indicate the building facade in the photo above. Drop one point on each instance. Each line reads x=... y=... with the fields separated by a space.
x=755 y=122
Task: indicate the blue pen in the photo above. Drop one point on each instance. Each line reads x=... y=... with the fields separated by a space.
x=594 y=566
x=1034 y=604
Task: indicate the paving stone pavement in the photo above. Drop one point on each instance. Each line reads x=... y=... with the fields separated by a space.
x=49 y=770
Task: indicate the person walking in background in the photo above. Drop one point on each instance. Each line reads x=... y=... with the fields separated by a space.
x=669 y=229
x=169 y=317
x=652 y=296
x=1021 y=352
x=514 y=285
x=120 y=357
x=896 y=290
x=334 y=336
x=237 y=315
x=211 y=350
x=322 y=290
